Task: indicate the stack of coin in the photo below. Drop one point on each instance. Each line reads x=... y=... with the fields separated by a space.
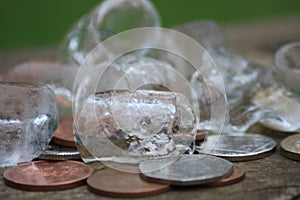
x=56 y=152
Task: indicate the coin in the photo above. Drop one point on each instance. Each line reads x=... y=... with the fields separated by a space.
x=290 y=147
x=64 y=134
x=238 y=147
x=64 y=105
x=115 y=183
x=55 y=152
x=188 y=170
x=47 y=175
x=201 y=134
x=63 y=101
x=236 y=176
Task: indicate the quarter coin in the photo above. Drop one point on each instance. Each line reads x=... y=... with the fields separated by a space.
x=115 y=183
x=188 y=170
x=47 y=175
x=290 y=147
x=64 y=134
x=236 y=176
x=55 y=152
x=238 y=147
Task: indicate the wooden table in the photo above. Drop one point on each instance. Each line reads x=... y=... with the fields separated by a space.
x=274 y=177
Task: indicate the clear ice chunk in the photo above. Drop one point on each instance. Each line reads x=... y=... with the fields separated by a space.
x=287 y=66
x=58 y=76
x=132 y=72
x=28 y=119
x=108 y=18
x=242 y=78
x=285 y=106
x=128 y=127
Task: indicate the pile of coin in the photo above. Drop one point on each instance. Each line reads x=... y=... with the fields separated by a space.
x=59 y=167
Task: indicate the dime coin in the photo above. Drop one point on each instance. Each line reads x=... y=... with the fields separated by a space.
x=236 y=176
x=55 y=152
x=188 y=170
x=47 y=175
x=115 y=183
x=64 y=134
x=238 y=147
x=290 y=147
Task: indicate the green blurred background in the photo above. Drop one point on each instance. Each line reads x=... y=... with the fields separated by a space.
x=33 y=23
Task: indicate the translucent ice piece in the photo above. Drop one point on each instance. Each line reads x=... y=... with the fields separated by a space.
x=124 y=127
x=287 y=66
x=107 y=19
x=132 y=72
x=285 y=106
x=28 y=119
x=59 y=77
x=242 y=79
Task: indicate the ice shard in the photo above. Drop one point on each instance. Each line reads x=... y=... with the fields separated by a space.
x=28 y=119
x=108 y=18
x=127 y=127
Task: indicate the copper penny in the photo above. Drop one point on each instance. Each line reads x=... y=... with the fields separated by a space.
x=47 y=175
x=201 y=134
x=63 y=101
x=236 y=176
x=114 y=183
x=64 y=133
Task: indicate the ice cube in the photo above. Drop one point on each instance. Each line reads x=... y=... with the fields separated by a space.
x=58 y=76
x=108 y=18
x=28 y=119
x=127 y=127
x=242 y=78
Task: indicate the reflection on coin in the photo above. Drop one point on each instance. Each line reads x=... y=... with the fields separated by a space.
x=64 y=105
x=290 y=147
x=114 y=183
x=55 y=152
x=64 y=134
x=238 y=147
x=201 y=134
x=188 y=170
x=236 y=176
x=47 y=175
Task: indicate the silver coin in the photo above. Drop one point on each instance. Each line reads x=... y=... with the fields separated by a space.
x=55 y=152
x=290 y=147
x=238 y=147
x=188 y=170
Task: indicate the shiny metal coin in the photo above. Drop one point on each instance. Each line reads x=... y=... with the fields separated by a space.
x=290 y=147
x=54 y=152
x=44 y=175
x=188 y=170
x=238 y=147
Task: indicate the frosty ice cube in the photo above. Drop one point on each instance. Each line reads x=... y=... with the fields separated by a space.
x=128 y=127
x=242 y=78
x=28 y=119
x=58 y=76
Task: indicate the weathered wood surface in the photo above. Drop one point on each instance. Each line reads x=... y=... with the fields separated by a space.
x=274 y=177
